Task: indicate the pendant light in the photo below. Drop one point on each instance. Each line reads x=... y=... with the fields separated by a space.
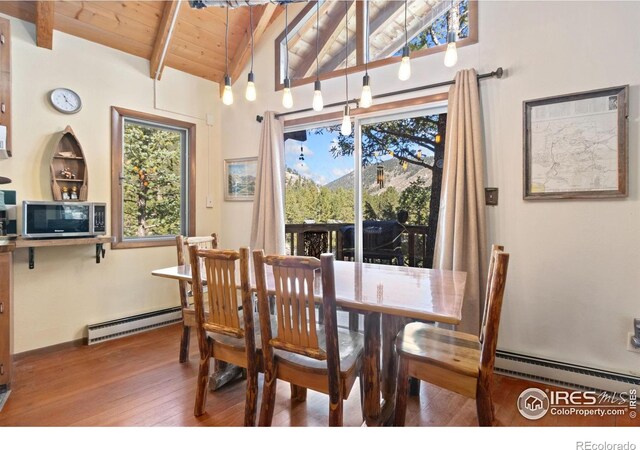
x=318 y=103
x=227 y=94
x=365 y=97
x=287 y=98
x=404 y=72
x=345 y=128
x=451 y=55
x=250 y=93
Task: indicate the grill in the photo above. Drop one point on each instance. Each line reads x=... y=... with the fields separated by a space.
x=381 y=241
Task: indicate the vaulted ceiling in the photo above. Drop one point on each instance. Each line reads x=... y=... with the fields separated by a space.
x=142 y=28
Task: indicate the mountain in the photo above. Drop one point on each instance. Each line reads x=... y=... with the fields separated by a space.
x=394 y=176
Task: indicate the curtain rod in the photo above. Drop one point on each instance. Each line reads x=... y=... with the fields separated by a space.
x=496 y=73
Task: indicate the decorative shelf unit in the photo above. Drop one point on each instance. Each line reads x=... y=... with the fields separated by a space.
x=69 y=168
x=31 y=244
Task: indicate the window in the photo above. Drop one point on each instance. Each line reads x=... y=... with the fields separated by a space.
x=153 y=179
x=375 y=25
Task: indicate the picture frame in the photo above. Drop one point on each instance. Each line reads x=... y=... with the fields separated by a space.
x=240 y=179
x=576 y=145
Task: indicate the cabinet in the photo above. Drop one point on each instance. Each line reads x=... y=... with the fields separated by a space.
x=6 y=297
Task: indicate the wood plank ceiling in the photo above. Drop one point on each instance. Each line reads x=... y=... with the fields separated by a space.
x=141 y=28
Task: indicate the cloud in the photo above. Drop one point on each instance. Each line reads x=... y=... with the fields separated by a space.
x=319 y=179
x=293 y=148
x=338 y=172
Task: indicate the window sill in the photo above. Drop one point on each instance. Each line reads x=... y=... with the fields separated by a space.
x=146 y=243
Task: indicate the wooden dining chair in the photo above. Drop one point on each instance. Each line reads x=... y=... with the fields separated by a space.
x=299 y=350
x=224 y=332
x=188 y=311
x=459 y=362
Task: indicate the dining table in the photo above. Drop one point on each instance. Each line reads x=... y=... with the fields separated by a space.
x=388 y=297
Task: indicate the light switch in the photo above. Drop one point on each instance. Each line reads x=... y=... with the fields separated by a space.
x=491 y=196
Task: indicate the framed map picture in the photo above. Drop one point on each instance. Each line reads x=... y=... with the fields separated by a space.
x=575 y=146
x=240 y=178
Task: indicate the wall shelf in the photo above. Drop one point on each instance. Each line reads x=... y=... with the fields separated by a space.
x=31 y=244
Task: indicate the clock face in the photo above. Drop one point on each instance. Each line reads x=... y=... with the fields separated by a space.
x=65 y=100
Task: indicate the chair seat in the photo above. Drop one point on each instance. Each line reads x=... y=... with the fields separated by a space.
x=450 y=350
x=351 y=346
x=312 y=373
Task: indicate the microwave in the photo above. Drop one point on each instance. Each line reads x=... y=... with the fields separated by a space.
x=43 y=219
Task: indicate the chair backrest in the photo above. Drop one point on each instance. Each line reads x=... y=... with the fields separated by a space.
x=182 y=245
x=219 y=267
x=295 y=279
x=494 y=308
x=492 y=259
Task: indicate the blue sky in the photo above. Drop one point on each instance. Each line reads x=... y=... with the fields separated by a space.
x=319 y=164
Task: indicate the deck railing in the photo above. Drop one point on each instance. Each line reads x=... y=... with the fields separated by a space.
x=315 y=238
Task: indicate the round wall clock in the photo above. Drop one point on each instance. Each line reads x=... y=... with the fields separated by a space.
x=65 y=100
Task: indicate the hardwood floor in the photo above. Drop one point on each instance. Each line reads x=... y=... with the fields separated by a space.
x=137 y=381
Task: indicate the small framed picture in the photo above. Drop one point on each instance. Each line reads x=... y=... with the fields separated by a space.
x=575 y=146
x=240 y=178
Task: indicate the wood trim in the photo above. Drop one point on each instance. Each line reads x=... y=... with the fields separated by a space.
x=398 y=104
x=44 y=24
x=50 y=349
x=472 y=39
x=163 y=39
x=117 y=120
x=5 y=80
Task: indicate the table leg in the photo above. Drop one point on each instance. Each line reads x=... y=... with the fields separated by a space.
x=371 y=368
x=222 y=374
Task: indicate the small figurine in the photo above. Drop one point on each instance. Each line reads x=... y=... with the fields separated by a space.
x=65 y=193
x=74 y=193
x=66 y=173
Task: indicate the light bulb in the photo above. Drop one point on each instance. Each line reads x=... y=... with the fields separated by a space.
x=345 y=128
x=451 y=55
x=318 y=104
x=404 y=72
x=287 y=98
x=227 y=94
x=250 y=93
x=365 y=98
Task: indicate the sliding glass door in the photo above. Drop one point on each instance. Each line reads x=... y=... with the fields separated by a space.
x=372 y=196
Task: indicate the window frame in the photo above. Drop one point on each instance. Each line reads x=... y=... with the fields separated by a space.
x=362 y=41
x=118 y=116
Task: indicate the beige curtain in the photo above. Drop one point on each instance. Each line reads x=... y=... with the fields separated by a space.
x=267 y=227
x=461 y=241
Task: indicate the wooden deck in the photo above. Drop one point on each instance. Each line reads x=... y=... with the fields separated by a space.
x=137 y=381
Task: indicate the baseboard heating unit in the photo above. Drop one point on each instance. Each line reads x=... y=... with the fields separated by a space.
x=563 y=374
x=114 y=329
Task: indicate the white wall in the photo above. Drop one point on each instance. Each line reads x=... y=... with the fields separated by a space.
x=67 y=290
x=573 y=282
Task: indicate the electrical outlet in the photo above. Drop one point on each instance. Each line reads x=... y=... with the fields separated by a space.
x=209 y=201
x=630 y=347
x=210 y=119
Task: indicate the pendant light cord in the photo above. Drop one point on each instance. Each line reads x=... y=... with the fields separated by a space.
x=406 y=38
x=226 y=43
x=251 y=25
x=317 y=39
x=286 y=38
x=366 y=50
x=346 y=51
